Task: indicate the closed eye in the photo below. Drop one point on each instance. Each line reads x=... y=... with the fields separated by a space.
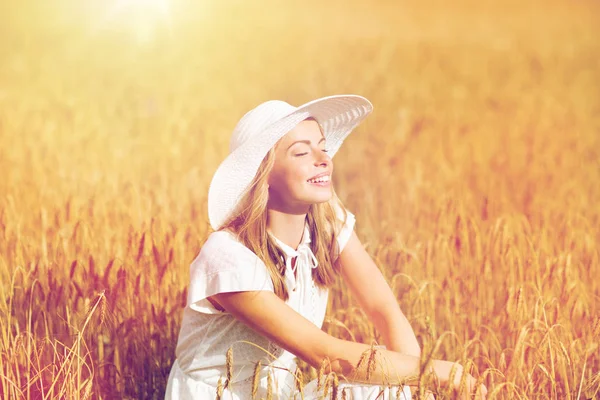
x=303 y=154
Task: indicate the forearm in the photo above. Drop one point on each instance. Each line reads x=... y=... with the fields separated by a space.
x=354 y=361
x=396 y=331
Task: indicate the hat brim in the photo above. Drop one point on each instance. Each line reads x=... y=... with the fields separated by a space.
x=338 y=115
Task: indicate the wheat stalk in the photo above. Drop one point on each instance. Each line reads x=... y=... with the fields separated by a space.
x=256 y=379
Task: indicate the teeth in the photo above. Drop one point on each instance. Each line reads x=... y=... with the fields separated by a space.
x=320 y=179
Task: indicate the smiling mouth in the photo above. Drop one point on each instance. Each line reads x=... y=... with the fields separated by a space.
x=322 y=180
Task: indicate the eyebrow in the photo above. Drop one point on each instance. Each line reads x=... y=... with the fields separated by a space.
x=306 y=141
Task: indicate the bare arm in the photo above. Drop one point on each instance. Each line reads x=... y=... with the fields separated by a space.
x=376 y=298
x=267 y=314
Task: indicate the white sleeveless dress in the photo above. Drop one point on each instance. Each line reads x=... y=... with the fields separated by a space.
x=225 y=265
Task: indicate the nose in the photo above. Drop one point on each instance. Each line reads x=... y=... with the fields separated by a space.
x=322 y=158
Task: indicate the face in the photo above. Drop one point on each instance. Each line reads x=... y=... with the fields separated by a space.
x=299 y=156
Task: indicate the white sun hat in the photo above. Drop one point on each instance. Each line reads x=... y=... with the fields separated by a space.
x=260 y=129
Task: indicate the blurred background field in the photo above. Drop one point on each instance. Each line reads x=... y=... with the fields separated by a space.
x=475 y=182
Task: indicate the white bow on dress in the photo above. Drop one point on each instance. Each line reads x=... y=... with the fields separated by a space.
x=306 y=261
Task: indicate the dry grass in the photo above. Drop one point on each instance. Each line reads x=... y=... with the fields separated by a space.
x=475 y=183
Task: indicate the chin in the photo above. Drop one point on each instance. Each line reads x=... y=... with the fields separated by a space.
x=313 y=195
x=319 y=199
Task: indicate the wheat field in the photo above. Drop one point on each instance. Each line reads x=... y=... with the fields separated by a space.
x=475 y=182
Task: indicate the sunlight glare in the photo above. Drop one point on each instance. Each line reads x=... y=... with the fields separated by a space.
x=143 y=6
x=142 y=17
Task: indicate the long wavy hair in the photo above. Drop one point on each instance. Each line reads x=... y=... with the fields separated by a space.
x=250 y=227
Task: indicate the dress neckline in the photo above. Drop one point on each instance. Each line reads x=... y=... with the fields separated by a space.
x=289 y=250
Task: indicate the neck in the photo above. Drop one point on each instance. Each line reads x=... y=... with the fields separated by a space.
x=288 y=228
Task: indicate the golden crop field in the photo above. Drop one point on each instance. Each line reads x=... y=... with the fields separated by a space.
x=475 y=182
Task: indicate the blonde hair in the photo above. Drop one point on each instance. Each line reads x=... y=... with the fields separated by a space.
x=249 y=224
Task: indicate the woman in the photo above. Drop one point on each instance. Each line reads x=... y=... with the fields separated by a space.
x=258 y=289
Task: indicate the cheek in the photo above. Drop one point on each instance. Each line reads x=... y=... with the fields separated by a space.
x=286 y=177
x=290 y=177
x=298 y=175
x=294 y=179
x=301 y=172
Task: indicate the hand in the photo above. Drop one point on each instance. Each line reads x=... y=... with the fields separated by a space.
x=470 y=391
x=429 y=395
x=447 y=370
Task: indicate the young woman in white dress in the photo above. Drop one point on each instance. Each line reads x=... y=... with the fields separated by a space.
x=259 y=286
